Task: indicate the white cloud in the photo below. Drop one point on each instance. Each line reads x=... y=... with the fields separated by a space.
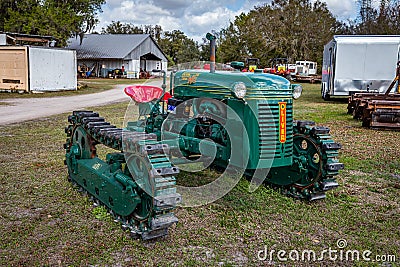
x=342 y=9
x=172 y=4
x=132 y=12
x=250 y=4
x=113 y=3
x=211 y=20
x=170 y=23
x=195 y=18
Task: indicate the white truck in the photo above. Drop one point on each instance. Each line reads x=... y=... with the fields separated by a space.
x=306 y=71
x=359 y=63
x=306 y=67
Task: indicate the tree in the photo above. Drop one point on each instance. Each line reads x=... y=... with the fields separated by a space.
x=5 y=5
x=394 y=18
x=179 y=48
x=383 y=20
x=204 y=50
x=367 y=17
x=233 y=41
x=117 y=27
x=61 y=19
x=296 y=29
x=154 y=30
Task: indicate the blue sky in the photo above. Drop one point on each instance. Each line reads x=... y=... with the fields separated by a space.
x=195 y=18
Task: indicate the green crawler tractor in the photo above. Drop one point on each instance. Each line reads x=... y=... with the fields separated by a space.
x=239 y=122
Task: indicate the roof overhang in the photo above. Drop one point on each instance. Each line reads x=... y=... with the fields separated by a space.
x=15 y=37
x=150 y=56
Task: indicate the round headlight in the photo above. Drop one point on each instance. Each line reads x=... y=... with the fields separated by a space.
x=240 y=89
x=297 y=90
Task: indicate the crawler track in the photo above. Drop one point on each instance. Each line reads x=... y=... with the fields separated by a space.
x=315 y=163
x=136 y=183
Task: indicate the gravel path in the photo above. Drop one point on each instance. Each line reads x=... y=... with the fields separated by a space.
x=22 y=109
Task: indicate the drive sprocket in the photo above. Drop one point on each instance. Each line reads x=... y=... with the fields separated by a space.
x=315 y=163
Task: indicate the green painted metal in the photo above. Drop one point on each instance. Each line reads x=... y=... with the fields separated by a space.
x=219 y=85
x=116 y=190
x=272 y=149
x=261 y=121
x=259 y=113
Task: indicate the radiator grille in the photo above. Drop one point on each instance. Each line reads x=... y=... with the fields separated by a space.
x=269 y=145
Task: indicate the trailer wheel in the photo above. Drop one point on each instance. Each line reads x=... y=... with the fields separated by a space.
x=325 y=95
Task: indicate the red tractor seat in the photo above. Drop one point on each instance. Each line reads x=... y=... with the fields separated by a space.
x=145 y=93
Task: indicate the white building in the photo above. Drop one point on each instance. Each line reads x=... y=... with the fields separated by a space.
x=104 y=52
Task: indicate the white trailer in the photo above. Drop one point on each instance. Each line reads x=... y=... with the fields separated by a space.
x=359 y=63
x=26 y=69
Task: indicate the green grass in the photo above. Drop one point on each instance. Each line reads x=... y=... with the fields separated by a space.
x=44 y=221
x=86 y=86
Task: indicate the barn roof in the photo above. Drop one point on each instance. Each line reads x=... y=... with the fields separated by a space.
x=108 y=46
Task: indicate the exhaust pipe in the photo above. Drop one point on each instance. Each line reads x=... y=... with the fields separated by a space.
x=212 y=38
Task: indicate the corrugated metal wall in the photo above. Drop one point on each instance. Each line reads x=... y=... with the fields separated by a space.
x=148 y=46
x=131 y=65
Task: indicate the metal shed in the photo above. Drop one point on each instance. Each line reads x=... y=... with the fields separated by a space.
x=103 y=52
x=25 y=69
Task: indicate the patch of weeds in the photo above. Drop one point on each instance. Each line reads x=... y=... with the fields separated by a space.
x=194 y=179
x=354 y=163
x=348 y=198
x=340 y=198
x=101 y=213
x=373 y=189
x=227 y=220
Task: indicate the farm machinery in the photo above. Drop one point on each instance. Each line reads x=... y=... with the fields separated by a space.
x=252 y=64
x=280 y=67
x=236 y=122
x=378 y=110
